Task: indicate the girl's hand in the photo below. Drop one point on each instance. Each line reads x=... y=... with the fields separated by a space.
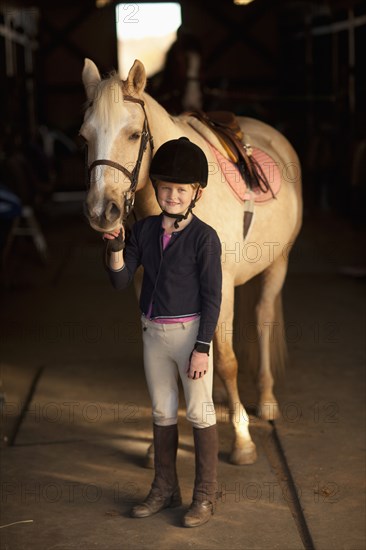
x=198 y=365
x=115 y=240
x=114 y=234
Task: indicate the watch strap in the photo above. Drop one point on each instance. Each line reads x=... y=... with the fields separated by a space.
x=115 y=245
x=201 y=347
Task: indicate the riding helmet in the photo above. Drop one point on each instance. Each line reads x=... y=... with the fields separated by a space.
x=179 y=161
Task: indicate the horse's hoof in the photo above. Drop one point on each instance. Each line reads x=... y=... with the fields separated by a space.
x=244 y=456
x=268 y=410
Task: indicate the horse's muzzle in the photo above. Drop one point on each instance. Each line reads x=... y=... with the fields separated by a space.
x=112 y=212
x=107 y=220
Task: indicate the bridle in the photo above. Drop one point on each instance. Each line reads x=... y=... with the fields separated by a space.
x=133 y=176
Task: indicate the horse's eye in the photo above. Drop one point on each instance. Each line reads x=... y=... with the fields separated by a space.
x=135 y=136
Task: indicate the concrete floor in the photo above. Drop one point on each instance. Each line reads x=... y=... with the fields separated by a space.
x=73 y=464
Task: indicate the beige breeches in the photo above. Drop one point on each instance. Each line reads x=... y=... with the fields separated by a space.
x=167 y=348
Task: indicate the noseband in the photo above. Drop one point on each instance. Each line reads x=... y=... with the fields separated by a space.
x=129 y=195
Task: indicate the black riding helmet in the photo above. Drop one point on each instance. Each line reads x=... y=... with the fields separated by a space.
x=179 y=161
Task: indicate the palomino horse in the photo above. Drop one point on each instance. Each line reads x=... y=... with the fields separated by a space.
x=119 y=121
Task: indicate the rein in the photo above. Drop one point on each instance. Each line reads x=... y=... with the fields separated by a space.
x=129 y=195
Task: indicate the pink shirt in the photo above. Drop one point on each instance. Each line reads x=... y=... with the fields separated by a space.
x=166 y=239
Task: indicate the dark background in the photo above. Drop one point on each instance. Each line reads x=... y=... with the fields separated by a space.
x=297 y=65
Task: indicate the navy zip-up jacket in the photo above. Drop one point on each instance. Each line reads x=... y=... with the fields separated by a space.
x=183 y=280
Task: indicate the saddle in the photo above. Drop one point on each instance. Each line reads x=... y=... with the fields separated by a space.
x=225 y=126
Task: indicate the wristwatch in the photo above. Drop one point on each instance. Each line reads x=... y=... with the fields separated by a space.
x=202 y=348
x=115 y=245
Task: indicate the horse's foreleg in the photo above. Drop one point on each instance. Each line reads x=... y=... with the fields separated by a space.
x=226 y=366
x=219 y=390
x=269 y=316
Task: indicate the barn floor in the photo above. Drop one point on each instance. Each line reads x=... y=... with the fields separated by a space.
x=77 y=416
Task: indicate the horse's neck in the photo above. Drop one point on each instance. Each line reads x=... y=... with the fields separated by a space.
x=163 y=127
x=146 y=203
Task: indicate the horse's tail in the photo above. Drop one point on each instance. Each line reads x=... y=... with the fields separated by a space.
x=247 y=333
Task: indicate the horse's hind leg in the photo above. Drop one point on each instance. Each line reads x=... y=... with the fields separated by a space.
x=269 y=322
x=226 y=366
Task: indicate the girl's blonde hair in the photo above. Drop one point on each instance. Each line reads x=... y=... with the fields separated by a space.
x=194 y=185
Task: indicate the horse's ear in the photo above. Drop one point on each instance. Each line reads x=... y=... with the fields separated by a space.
x=91 y=78
x=136 y=80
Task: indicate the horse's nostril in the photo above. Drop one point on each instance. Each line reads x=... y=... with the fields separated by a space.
x=112 y=212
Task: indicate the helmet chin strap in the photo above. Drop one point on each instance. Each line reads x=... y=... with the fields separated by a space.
x=181 y=217
x=178 y=217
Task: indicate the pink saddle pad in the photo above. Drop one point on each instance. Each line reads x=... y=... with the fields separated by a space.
x=238 y=185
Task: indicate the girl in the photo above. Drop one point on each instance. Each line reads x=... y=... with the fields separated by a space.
x=180 y=303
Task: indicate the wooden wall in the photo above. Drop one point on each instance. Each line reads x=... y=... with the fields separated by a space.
x=68 y=35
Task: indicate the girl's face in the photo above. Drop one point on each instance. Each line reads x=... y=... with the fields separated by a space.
x=175 y=198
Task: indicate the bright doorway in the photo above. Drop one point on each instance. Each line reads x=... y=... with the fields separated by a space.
x=145 y=31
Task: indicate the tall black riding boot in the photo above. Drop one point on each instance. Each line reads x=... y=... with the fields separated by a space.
x=165 y=490
x=205 y=485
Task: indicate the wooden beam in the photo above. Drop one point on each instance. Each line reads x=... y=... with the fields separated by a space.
x=337 y=26
x=19 y=38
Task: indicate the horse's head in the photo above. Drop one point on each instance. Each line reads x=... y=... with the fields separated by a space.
x=116 y=131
